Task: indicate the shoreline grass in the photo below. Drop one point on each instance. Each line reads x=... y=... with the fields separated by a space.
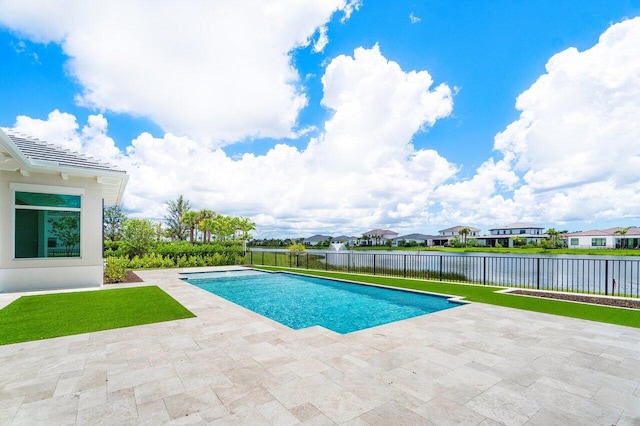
x=490 y=295
x=63 y=314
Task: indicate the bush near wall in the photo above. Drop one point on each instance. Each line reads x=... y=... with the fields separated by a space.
x=169 y=255
x=176 y=250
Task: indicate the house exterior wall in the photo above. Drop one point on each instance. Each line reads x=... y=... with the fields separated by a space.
x=51 y=273
x=517 y=231
x=587 y=241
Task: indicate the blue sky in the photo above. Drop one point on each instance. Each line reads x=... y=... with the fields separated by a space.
x=404 y=118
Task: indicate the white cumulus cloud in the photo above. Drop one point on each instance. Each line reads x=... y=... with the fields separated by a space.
x=574 y=153
x=219 y=69
x=360 y=172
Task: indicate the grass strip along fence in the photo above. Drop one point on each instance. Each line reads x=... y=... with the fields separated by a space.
x=62 y=314
x=490 y=295
x=611 y=277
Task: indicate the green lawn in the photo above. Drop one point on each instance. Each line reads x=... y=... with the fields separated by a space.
x=62 y=314
x=489 y=295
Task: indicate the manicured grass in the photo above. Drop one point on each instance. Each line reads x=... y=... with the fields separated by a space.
x=63 y=314
x=489 y=295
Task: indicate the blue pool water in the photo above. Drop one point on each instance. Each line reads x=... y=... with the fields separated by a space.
x=299 y=301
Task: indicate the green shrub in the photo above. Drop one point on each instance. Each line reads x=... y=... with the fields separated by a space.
x=182 y=262
x=115 y=270
x=135 y=263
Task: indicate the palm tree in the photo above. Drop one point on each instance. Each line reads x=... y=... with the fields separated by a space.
x=245 y=226
x=203 y=215
x=190 y=220
x=553 y=236
x=622 y=232
x=464 y=232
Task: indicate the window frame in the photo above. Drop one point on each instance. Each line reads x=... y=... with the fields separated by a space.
x=46 y=189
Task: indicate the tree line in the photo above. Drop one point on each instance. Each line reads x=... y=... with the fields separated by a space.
x=180 y=223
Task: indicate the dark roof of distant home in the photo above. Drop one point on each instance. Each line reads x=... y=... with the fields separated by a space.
x=380 y=232
x=317 y=239
x=415 y=237
x=517 y=225
x=343 y=238
x=40 y=151
x=459 y=227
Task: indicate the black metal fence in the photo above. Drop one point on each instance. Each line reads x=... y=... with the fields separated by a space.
x=615 y=277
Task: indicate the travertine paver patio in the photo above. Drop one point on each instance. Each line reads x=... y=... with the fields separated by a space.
x=476 y=364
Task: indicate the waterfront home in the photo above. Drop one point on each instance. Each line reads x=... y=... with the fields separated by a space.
x=377 y=237
x=446 y=235
x=316 y=239
x=502 y=235
x=420 y=239
x=346 y=240
x=51 y=202
x=610 y=238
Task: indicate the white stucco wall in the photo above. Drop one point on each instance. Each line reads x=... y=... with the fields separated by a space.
x=584 y=241
x=53 y=273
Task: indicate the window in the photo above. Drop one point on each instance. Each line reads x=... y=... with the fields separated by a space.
x=598 y=242
x=47 y=225
x=575 y=241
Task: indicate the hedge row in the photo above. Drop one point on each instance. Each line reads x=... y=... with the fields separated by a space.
x=177 y=250
x=116 y=266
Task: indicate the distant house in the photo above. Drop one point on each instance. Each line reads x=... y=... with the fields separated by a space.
x=445 y=235
x=502 y=235
x=606 y=238
x=346 y=240
x=51 y=203
x=316 y=239
x=420 y=239
x=377 y=237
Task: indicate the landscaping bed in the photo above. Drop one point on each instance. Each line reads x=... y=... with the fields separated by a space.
x=607 y=301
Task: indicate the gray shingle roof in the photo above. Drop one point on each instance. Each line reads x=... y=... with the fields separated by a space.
x=37 y=150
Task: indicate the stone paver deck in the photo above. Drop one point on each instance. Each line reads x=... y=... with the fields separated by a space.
x=473 y=365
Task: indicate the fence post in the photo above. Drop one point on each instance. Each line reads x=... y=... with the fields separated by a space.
x=440 y=272
x=484 y=270
x=251 y=257
x=374 y=264
x=538 y=277
x=606 y=277
x=326 y=261
x=307 y=260
x=404 y=266
x=262 y=258
x=348 y=262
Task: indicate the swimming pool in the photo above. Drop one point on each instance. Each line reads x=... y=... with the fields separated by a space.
x=299 y=301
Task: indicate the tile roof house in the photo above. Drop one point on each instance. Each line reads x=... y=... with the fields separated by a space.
x=51 y=202
x=503 y=235
x=454 y=231
x=377 y=237
x=314 y=240
x=446 y=235
x=422 y=239
x=617 y=237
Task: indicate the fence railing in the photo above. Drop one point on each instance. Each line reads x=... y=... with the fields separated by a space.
x=615 y=277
